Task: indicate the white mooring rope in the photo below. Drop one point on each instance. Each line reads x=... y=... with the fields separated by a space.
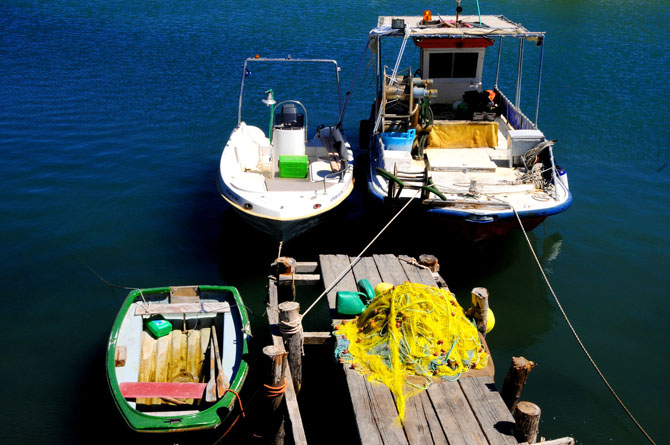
x=574 y=332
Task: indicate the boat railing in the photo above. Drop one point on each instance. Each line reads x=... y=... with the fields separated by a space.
x=332 y=175
x=514 y=116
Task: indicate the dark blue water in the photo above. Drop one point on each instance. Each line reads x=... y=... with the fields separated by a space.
x=112 y=118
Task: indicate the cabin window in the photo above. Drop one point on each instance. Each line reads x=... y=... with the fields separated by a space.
x=452 y=65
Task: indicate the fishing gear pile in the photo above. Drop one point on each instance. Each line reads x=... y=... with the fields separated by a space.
x=409 y=336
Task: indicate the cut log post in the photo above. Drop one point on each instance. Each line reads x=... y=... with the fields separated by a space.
x=527 y=422
x=430 y=261
x=277 y=356
x=514 y=381
x=290 y=327
x=480 y=308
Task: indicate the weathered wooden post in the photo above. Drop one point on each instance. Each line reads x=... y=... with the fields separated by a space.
x=290 y=326
x=430 y=261
x=285 y=266
x=527 y=422
x=276 y=380
x=480 y=308
x=514 y=381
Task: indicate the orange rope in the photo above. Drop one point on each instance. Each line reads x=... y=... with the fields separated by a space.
x=275 y=391
x=238 y=416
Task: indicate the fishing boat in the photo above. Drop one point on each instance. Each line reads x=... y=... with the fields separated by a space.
x=442 y=135
x=176 y=357
x=284 y=182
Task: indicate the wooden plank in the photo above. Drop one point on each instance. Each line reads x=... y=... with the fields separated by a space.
x=491 y=412
x=184 y=294
x=416 y=274
x=306 y=266
x=175 y=351
x=205 y=334
x=417 y=427
x=366 y=268
x=331 y=267
x=385 y=412
x=316 y=338
x=192 y=356
x=458 y=421
x=273 y=314
x=297 y=427
x=368 y=430
x=132 y=390
x=162 y=358
x=390 y=269
x=300 y=278
x=289 y=396
x=434 y=427
x=147 y=363
x=181 y=308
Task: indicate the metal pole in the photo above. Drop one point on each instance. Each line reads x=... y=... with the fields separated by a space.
x=500 y=42
x=519 y=75
x=539 y=82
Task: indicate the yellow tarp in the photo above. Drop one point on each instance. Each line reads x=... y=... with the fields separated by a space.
x=463 y=134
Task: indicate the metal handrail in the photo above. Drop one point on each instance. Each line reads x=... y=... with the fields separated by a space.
x=287 y=59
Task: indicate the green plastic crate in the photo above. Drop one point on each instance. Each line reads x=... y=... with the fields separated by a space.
x=293 y=166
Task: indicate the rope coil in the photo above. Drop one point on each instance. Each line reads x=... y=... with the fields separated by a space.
x=275 y=391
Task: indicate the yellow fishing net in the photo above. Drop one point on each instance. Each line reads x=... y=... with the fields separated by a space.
x=408 y=336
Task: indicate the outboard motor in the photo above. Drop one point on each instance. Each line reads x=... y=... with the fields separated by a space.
x=289 y=117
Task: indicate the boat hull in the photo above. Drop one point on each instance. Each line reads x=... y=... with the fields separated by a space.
x=211 y=415
x=475 y=227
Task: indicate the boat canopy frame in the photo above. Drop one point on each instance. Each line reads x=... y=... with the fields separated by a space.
x=288 y=59
x=468 y=26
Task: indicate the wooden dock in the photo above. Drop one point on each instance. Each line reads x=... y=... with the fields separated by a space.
x=469 y=411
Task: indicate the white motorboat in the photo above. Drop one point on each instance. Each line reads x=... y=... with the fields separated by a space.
x=285 y=181
x=477 y=158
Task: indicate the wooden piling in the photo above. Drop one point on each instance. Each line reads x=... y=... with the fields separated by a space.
x=480 y=308
x=291 y=330
x=277 y=356
x=515 y=380
x=430 y=261
x=527 y=422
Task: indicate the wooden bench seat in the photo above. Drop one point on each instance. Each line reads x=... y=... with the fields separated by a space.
x=181 y=308
x=176 y=390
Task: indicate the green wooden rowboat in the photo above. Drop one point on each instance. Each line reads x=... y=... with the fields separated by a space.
x=162 y=356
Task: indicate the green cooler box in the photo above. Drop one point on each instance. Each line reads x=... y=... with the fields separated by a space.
x=293 y=166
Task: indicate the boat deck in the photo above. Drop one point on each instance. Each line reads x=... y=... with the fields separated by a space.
x=465 y=412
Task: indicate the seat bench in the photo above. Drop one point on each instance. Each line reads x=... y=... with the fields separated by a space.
x=181 y=308
x=175 y=390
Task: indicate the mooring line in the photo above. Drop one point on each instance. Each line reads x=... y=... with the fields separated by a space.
x=574 y=332
x=355 y=261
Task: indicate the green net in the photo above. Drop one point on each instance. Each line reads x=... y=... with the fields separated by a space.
x=407 y=337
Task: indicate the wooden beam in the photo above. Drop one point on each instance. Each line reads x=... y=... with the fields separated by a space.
x=299 y=278
x=289 y=396
x=181 y=308
x=306 y=266
x=316 y=338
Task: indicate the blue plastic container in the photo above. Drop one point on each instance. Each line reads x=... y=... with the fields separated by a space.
x=399 y=141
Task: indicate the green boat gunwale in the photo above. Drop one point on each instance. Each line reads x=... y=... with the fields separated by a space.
x=205 y=419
